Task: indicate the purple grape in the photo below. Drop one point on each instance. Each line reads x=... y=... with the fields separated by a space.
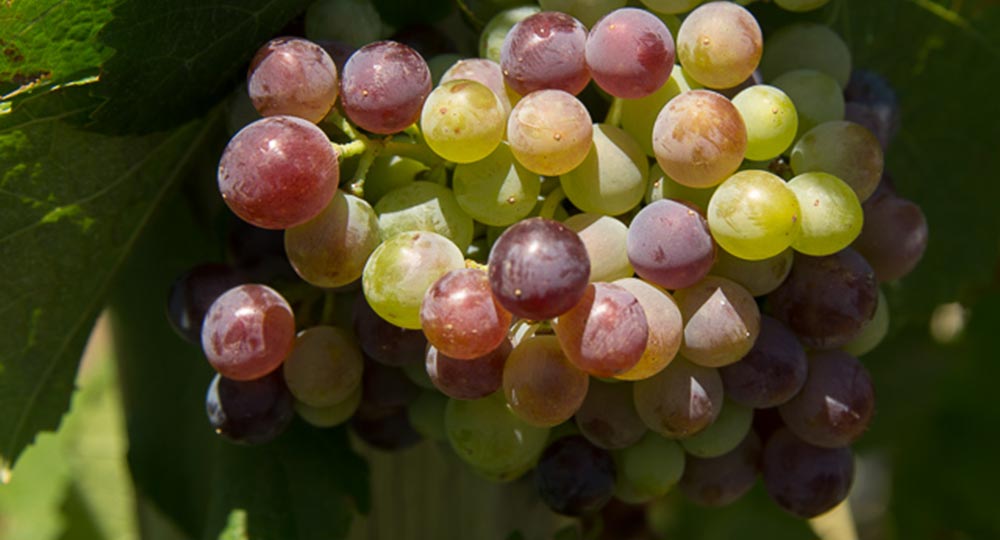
x=389 y=431
x=193 y=293
x=630 y=53
x=468 y=379
x=803 y=479
x=608 y=417
x=669 y=244
x=383 y=341
x=385 y=389
x=722 y=480
x=248 y=332
x=574 y=477
x=894 y=236
x=545 y=50
x=384 y=85
x=771 y=373
x=292 y=76
x=249 y=412
x=871 y=101
x=606 y=332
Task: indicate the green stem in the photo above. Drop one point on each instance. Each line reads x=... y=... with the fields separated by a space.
x=329 y=316
x=357 y=187
x=351 y=149
x=614 y=116
x=341 y=123
x=551 y=202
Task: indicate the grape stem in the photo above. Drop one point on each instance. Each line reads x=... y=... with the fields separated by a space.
x=329 y=308
x=341 y=123
x=413 y=150
x=614 y=117
x=551 y=202
x=351 y=149
x=357 y=187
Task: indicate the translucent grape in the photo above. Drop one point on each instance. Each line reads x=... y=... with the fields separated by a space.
x=772 y=372
x=460 y=317
x=669 y=244
x=803 y=479
x=473 y=378
x=492 y=37
x=384 y=85
x=844 y=149
x=278 y=172
x=817 y=97
x=639 y=115
x=722 y=480
x=630 y=53
x=496 y=190
x=604 y=237
x=894 y=236
x=483 y=71
x=248 y=332
x=831 y=215
x=754 y=215
x=758 y=277
x=724 y=434
x=541 y=385
x=605 y=333
x=333 y=415
x=249 y=412
x=550 y=132
x=383 y=341
x=574 y=477
x=324 y=367
x=612 y=178
x=721 y=321
x=292 y=76
x=424 y=206
x=719 y=44
x=681 y=400
x=192 y=294
x=662 y=187
x=545 y=51
x=463 y=121
x=665 y=328
x=770 y=118
x=607 y=417
x=651 y=466
x=874 y=330
x=806 y=46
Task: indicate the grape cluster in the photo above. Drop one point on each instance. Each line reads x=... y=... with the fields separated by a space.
x=615 y=305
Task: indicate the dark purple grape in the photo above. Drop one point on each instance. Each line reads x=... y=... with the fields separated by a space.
x=193 y=293
x=871 y=101
x=545 y=51
x=836 y=403
x=894 y=236
x=574 y=477
x=722 y=480
x=468 y=379
x=681 y=400
x=383 y=341
x=608 y=417
x=384 y=389
x=803 y=479
x=339 y=52
x=630 y=53
x=669 y=244
x=248 y=332
x=388 y=431
x=539 y=269
x=771 y=373
x=827 y=300
x=258 y=253
x=384 y=85
x=766 y=422
x=249 y=412
x=606 y=332
x=292 y=76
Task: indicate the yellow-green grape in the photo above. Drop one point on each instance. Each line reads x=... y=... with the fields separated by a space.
x=873 y=332
x=831 y=215
x=651 y=466
x=401 y=270
x=720 y=44
x=662 y=186
x=671 y=6
x=817 y=97
x=612 y=178
x=388 y=173
x=757 y=277
x=770 y=118
x=754 y=215
x=324 y=366
x=334 y=415
x=639 y=115
x=462 y=121
x=424 y=206
x=799 y=6
x=606 y=239
x=844 y=149
x=491 y=39
x=726 y=433
x=806 y=46
x=550 y=132
x=496 y=190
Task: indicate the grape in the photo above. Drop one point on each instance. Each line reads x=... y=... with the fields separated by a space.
x=607 y=417
x=431 y=42
x=651 y=466
x=193 y=293
x=355 y=22
x=400 y=271
x=292 y=76
x=470 y=378
x=719 y=44
x=278 y=172
x=827 y=301
x=338 y=50
x=605 y=333
x=669 y=244
x=872 y=102
x=426 y=415
x=389 y=431
x=485 y=434
x=873 y=332
x=721 y=321
x=894 y=236
x=483 y=71
x=806 y=46
x=388 y=173
x=463 y=121
x=722 y=480
x=831 y=214
x=331 y=249
x=248 y=332
x=550 y=132
x=771 y=373
x=492 y=38
x=639 y=115
x=665 y=328
x=803 y=479
x=754 y=215
x=770 y=118
x=758 y=277
x=424 y=206
x=604 y=237
x=258 y=253
x=681 y=400
x=817 y=97
x=324 y=367
x=612 y=178
x=800 y=5
x=383 y=341
x=249 y=412
x=333 y=415
x=724 y=434
x=384 y=390
x=496 y=190
x=541 y=385
x=699 y=138
x=574 y=477
x=383 y=87
x=538 y=269
x=753 y=80
x=662 y=187
x=460 y=317
x=630 y=53
x=671 y=6
x=844 y=149
x=836 y=403
x=587 y=11
x=545 y=51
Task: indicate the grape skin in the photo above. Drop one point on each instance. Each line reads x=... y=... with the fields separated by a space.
x=249 y=412
x=463 y=121
x=545 y=51
x=383 y=87
x=608 y=418
x=721 y=321
x=754 y=215
x=612 y=178
x=248 y=332
x=844 y=149
x=630 y=53
x=681 y=400
x=472 y=378
x=574 y=477
x=605 y=238
x=496 y=190
x=605 y=333
x=803 y=479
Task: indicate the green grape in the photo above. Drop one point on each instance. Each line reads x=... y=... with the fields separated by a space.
x=388 y=173
x=586 y=11
x=806 y=46
x=757 y=277
x=720 y=44
x=426 y=415
x=550 y=132
x=440 y=64
x=487 y=435
x=873 y=332
x=424 y=206
x=726 y=433
x=354 y=22
x=334 y=415
x=770 y=118
x=612 y=178
x=844 y=149
x=491 y=39
x=400 y=271
x=652 y=466
x=671 y=6
x=331 y=249
x=462 y=121
x=605 y=239
x=800 y=5
x=639 y=115
x=831 y=214
x=816 y=95
x=753 y=215
x=662 y=186
x=496 y=190
x=324 y=367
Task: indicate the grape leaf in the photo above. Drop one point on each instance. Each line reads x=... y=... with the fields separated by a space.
x=71 y=206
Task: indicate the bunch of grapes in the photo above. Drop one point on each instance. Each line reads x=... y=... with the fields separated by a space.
x=677 y=295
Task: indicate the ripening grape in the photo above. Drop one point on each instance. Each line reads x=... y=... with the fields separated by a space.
x=817 y=97
x=681 y=400
x=894 y=236
x=292 y=76
x=383 y=341
x=384 y=85
x=574 y=477
x=639 y=115
x=721 y=321
x=662 y=187
x=612 y=178
x=831 y=215
x=873 y=332
x=724 y=434
x=754 y=215
x=803 y=479
x=460 y=317
x=472 y=378
x=720 y=44
x=463 y=121
x=492 y=37
x=483 y=71
x=651 y=466
x=545 y=51
x=605 y=333
x=630 y=53
x=666 y=327
x=333 y=415
x=550 y=132
x=772 y=372
x=721 y=480
x=608 y=418
x=541 y=385
x=249 y=412
x=669 y=244
x=248 y=332
x=758 y=277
